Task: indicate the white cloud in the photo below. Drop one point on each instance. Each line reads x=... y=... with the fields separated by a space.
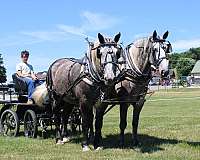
x=18 y=40
x=45 y=35
x=73 y=30
x=90 y=22
x=186 y=44
x=96 y=21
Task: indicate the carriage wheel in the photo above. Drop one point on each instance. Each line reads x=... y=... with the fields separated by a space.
x=9 y=123
x=30 y=124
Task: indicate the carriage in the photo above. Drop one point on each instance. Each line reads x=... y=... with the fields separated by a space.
x=15 y=113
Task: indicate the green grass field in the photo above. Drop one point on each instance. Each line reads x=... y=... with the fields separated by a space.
x=169 y=129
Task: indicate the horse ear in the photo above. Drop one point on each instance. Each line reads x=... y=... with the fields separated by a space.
x=154 y=35
x=165 y=35
x=117 y=37
x=101 y=38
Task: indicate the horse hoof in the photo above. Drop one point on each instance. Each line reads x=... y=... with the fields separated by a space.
x=66 y=139
x=99 y=148
x=59 y=142
x=86 y=149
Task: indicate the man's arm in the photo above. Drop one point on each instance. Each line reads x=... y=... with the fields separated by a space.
x=19 y=73
x=33 y=76
x=19 y=70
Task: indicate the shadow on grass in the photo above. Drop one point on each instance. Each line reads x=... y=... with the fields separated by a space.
x=147 y=144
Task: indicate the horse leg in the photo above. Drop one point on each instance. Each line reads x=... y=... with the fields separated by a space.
x=136 y=113
x=57 y=127
x=123 y=122
x=91 y=129
x=65 y=133
x=98 y=125
x=86 y=111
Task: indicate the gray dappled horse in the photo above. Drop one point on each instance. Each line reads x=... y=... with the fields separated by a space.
x=142 y=57
x=74 y=83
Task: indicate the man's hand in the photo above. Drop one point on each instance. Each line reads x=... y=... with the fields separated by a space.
x=34 y=77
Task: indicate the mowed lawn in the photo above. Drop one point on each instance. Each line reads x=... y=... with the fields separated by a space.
x=169 y=129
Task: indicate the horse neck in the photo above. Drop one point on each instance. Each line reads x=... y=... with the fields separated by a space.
x=139 y=57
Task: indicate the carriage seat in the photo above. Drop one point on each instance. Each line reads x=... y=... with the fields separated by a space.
x=20 y=85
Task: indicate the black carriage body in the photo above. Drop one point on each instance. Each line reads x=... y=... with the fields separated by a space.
x=29 y=115
x=15 y=109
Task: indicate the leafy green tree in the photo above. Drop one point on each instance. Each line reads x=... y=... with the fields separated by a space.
x=184 y=66
x=2 y=71
x=184 y=61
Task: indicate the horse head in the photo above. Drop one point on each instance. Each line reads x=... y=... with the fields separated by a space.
x=160 y=50
x=105 y=53
x=149 y=54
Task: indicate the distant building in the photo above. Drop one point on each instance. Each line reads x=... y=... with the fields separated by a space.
x=195 y=73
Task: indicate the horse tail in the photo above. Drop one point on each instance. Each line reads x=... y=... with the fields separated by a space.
x=49 y=81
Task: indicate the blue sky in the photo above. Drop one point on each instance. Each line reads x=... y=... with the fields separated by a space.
x=52 y=29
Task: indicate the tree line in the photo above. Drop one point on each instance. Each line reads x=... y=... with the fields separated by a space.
x=3 y=77
x=184 y=62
